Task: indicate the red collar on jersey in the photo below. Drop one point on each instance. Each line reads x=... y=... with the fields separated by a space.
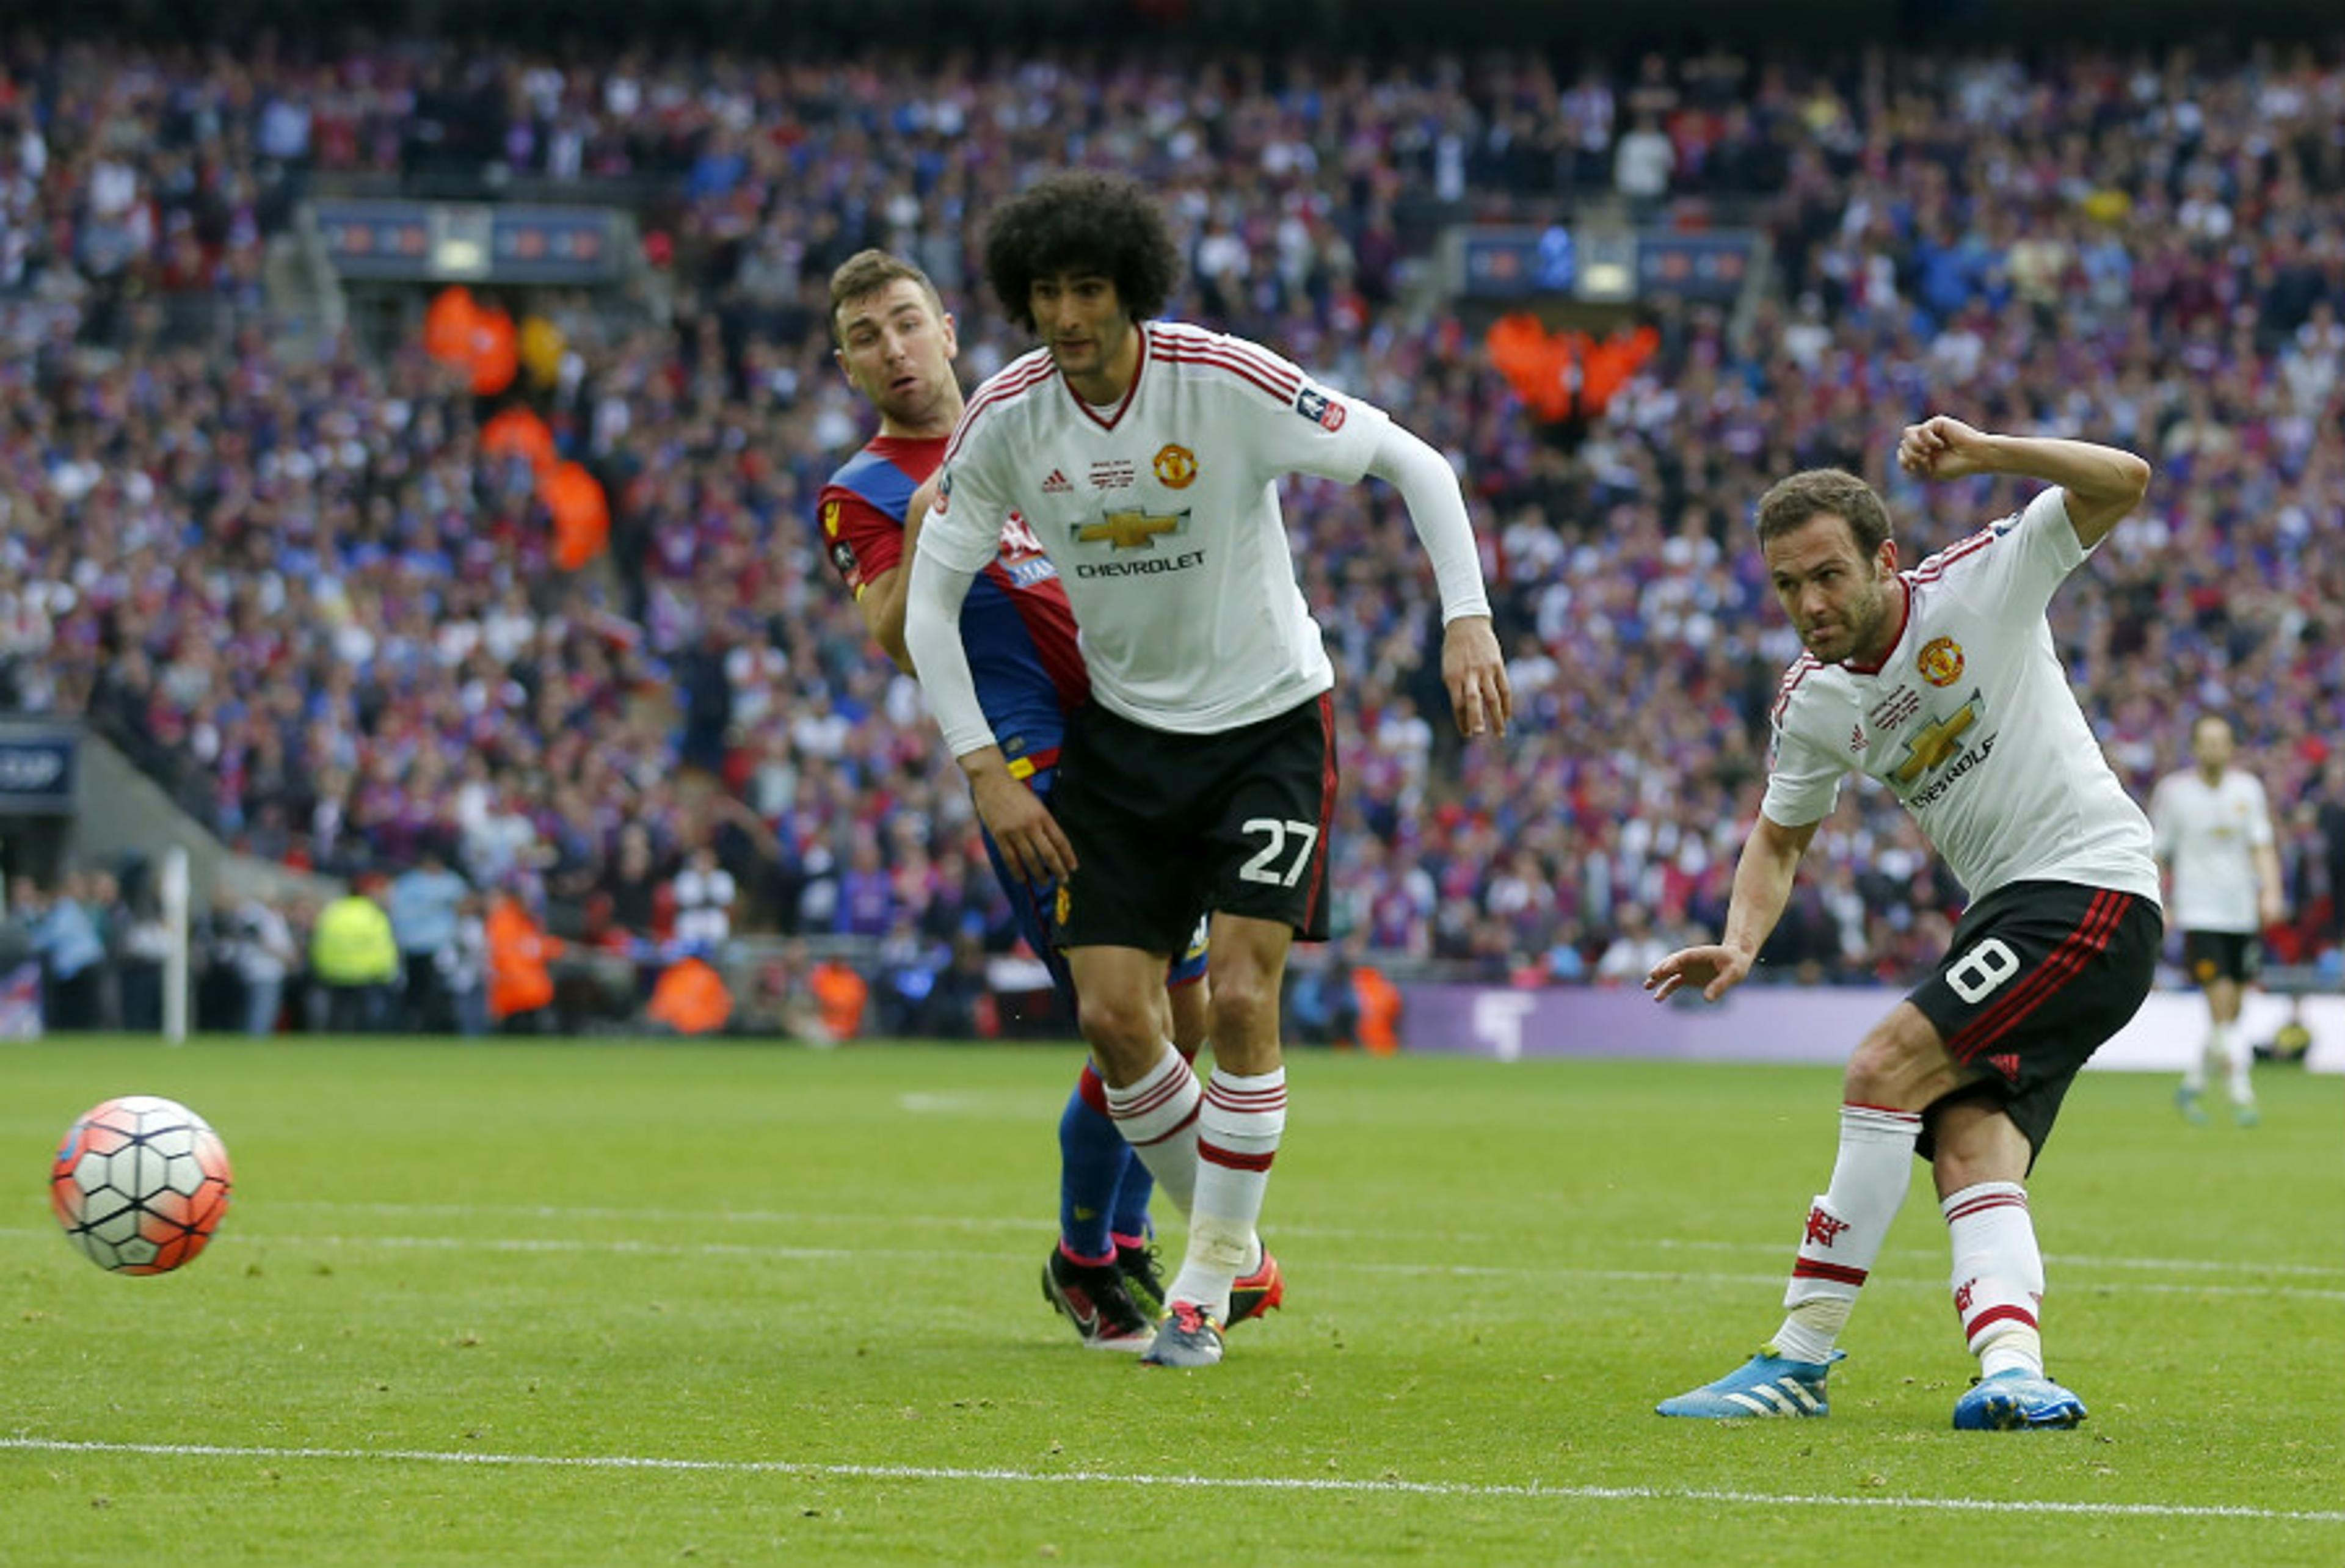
x=1905 y=619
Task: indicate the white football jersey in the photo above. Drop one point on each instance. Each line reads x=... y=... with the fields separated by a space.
x=2209 y=833
x=1161 y=516
x=1971 y=722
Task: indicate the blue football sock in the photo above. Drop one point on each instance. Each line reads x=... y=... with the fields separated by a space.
x=1092 y=1156
x=1132 y=1196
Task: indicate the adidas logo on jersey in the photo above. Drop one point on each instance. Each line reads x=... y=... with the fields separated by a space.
x=1057 y=485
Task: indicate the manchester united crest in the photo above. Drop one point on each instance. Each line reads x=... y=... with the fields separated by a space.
x=1176 y=466
x=1941 y=661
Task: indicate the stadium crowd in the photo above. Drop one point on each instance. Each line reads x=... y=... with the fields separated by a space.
x=302 y=591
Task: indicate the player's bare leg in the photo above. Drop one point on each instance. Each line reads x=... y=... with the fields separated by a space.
x=1900 y=1067
x=1135 y=1250
x=2225 y=1050
x=1238 y=1130
x=1980 y=1164
x=1152 y=1092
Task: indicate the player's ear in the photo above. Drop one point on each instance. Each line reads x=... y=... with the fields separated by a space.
x=951 y=336
x=1886 y=558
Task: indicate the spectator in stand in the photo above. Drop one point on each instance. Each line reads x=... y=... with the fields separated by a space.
x=354 y=956
x=64 y=936
x=705 y=894
x=520 y=965
x=424 y=904
x=263 y=955
x=464 y=969
x=330 y=619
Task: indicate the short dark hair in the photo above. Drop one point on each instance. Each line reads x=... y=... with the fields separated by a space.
x=2211 y=717
x=870 y=271
x=1082 y=222
x=1812 y=492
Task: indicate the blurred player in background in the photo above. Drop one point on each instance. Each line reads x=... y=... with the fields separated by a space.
x=2215 y=836
x=896 y=344
x=1144 y=456
x=1942 y=682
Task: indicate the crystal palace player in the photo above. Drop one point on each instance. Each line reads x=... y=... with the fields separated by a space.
x=896 y=344
x=1942 y=684
x=1144 y=455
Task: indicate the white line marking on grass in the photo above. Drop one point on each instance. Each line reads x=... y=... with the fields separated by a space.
x=1534 y=1491
x=1027 y=1224
x=764 y=1252
x=2070 y=1260
x=1684 y=1277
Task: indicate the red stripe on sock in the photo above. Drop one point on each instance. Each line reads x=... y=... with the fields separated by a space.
x=1093 y=1088
x=1174 y=1132
x=1808 y=1269
x=1981 y=1205
x=1154 y=1099
x=2006 y=1314
x=1231 y=1159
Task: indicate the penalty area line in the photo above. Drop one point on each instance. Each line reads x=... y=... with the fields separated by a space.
x=1529 y=1490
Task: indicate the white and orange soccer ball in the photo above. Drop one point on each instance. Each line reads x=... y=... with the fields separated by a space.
x=140 y=1184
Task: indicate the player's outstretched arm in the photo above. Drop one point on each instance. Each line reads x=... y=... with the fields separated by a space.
x=1763 y=886
x=1471 y=665
x=2103 y=483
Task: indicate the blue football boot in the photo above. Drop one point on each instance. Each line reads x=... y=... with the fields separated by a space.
x=1766 y=1385
x=2017 y=1400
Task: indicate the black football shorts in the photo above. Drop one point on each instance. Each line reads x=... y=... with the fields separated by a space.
x=2038 y=974
x=1168 y=826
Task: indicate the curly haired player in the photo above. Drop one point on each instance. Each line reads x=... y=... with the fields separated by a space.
x=1143 y=455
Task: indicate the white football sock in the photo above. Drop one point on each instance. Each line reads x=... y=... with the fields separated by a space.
x=2210 y=1054
x=1238 y=1133
x=1998 y=1279
x=1846 y=1227
x=1157 y=1114
x=2237 y=1055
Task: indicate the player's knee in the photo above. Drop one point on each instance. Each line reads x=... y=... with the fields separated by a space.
x=1891 y=1069
x=1976 y=1141
x=1244 y=1007
x=1116 y=1025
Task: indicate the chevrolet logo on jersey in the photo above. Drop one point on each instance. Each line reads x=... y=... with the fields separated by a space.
x=1130 y=529
x=1934 y=744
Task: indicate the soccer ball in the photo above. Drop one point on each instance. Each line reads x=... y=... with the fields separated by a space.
x=140 y=1183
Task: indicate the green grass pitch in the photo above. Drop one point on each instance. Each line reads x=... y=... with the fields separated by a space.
x=530 y=1303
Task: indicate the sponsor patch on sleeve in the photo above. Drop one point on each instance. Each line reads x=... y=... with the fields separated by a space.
x=1320 y=408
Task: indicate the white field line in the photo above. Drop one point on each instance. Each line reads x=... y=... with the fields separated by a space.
x=1027 y=1225
x=2066 y=1260
x=626 y=1247
x=1529 y=1490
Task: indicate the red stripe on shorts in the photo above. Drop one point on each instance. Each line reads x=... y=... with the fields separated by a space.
x=2090 y=937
